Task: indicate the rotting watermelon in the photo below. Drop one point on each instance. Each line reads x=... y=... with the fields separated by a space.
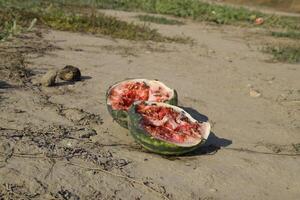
x=166 y=129
x=121 y=96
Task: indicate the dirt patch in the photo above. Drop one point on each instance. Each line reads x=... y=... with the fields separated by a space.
x=13 y=54
x=61 y=143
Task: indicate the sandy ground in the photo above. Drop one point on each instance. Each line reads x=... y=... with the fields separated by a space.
x=60 y=142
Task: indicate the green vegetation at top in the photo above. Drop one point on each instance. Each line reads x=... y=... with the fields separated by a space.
x=287 y=34
x=100 y=24
x=159 y=20
x=184 y=8
x=284 y=53
x=202 y=11
x=196 y=9
x=81 y=15
x=17 y=14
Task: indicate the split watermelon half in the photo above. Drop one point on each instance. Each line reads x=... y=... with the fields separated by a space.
x=122 y=95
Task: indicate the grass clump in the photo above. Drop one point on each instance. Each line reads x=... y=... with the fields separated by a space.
x=288 y=34
x=159 y=20
x=100 y=24
x=195 y=9
x=106 y=25
x=8 y=29
x=9 y=26
x=290 y=54
x=198 y=10
x=60 y=18
x=181 y=8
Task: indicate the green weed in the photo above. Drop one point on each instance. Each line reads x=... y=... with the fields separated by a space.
x=290 y=54
x=63 y=19
x=288 y=34
x=159 y=20
x=195 y=9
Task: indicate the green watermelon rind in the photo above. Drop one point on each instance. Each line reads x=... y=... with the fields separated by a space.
x=121 y=116
x=152 y=144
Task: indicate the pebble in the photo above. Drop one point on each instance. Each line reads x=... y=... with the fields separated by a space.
x=213 y=190
x=254 y=93
x=69 y=144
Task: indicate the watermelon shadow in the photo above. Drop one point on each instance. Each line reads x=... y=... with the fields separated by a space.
x=213 y=143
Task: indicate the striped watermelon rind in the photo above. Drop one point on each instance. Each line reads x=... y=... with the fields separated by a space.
x=157 y=145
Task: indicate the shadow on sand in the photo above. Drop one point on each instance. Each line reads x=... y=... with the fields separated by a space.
x=213 y=143
x=3 y=87
x=66 y=83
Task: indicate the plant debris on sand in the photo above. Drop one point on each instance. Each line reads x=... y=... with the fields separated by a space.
x=159 y=20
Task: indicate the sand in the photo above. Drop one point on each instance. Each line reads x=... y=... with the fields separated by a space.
x=60 y=142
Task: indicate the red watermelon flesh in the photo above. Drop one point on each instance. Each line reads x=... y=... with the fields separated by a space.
x=167 y=124
x=123 y=95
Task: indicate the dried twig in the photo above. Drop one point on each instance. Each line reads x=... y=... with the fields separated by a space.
x=53 y=162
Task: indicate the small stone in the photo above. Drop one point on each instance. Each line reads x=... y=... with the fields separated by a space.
x=70 y=73
x=213 y=190
x=211 y=51
x=254 y=93
x=49 y=78
x=69 y=144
